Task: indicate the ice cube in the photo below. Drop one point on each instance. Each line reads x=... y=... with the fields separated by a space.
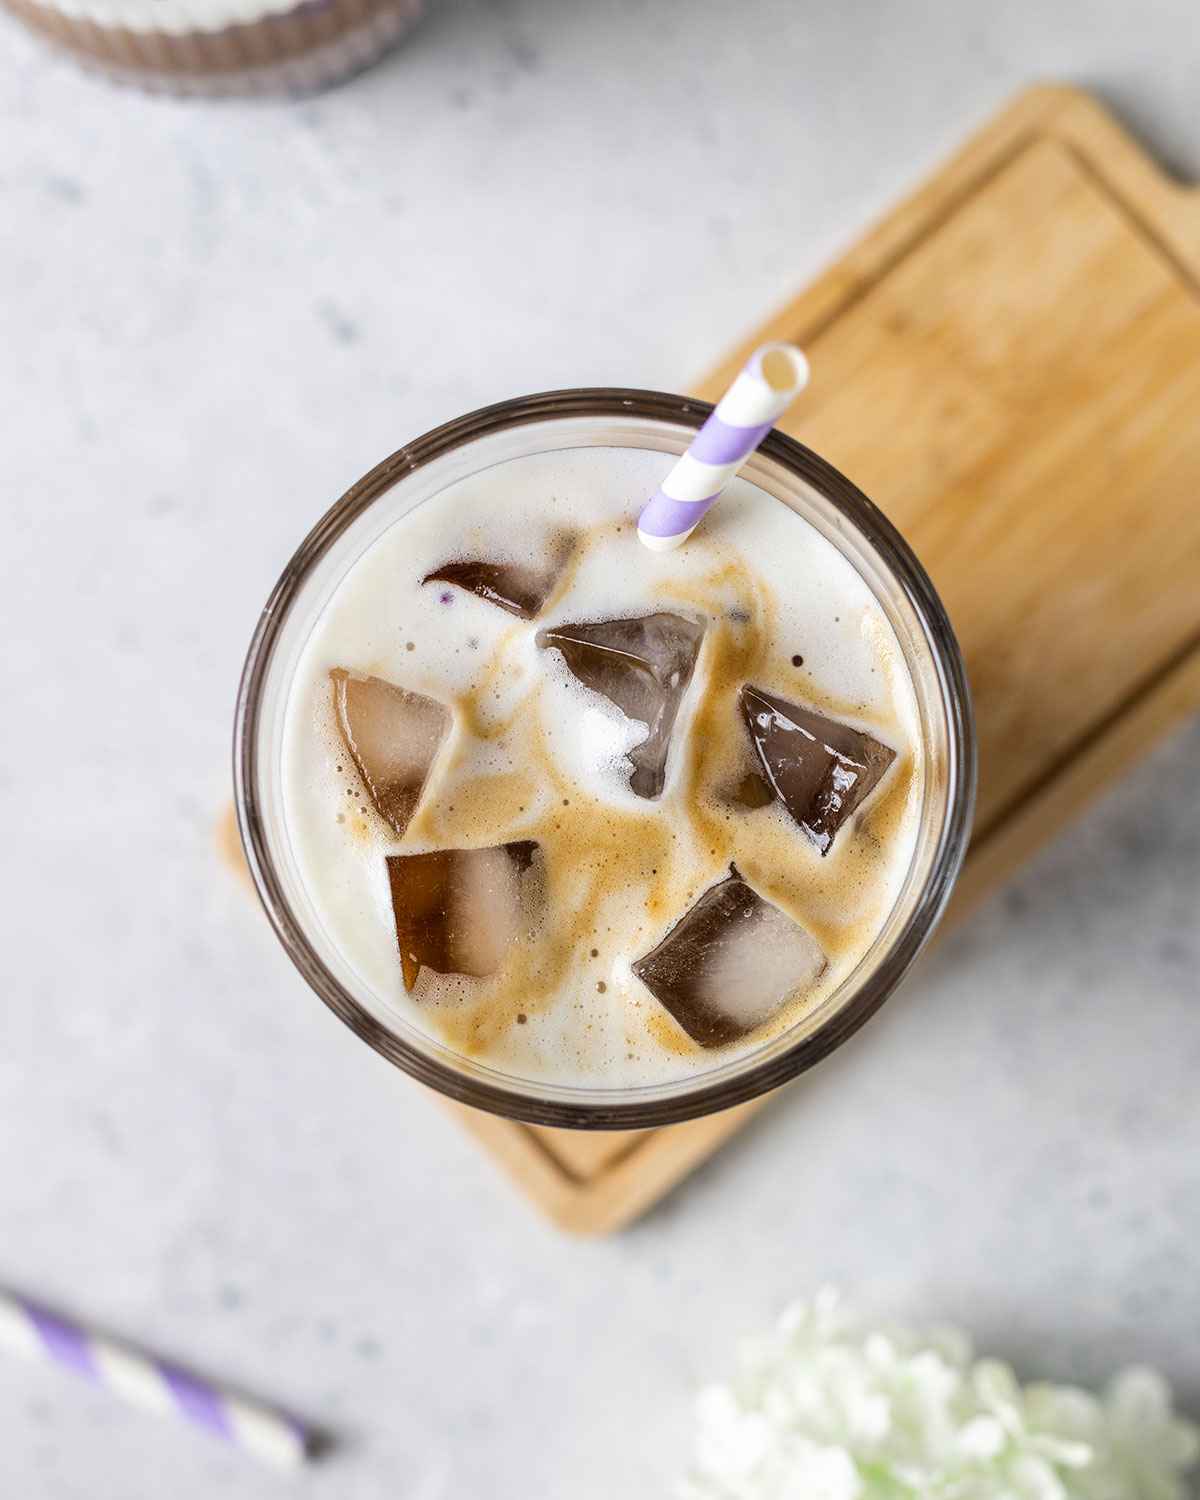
x=642 y=665
x=393 y=737
x=819 y=769
x=749 y=792
x=459 y=911
x=730 y=963
x=520 y=588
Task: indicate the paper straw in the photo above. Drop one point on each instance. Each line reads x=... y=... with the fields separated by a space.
x=153 y=1384
x=768 y=383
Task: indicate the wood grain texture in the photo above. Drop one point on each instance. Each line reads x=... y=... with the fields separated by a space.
x=1009 y=365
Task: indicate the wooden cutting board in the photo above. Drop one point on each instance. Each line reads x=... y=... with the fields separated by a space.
x=1009 y=365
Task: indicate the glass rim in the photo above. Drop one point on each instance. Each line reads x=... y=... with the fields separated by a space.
x=723 y=1093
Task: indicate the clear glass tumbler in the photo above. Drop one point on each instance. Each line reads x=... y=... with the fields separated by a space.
x=630 y=419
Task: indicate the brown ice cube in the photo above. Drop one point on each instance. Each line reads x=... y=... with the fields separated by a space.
x=393 y=737
x=459 y=911
x=642 y=665
x=749 y=792
x=520 y=588
x=819 y=769
x=730 y=963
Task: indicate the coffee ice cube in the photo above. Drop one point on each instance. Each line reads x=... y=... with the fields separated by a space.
x=642 y=665
x=819 y=769
x=459 y=911
x=393 y=737
x=520 y=588
x=750 y=792
x=730 y=963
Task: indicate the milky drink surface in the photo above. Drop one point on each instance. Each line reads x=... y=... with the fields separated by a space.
x=612 y=934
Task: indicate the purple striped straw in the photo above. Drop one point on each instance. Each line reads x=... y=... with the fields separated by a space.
x=153 y=1384
x=766 y=386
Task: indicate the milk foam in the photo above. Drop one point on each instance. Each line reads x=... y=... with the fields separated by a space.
x=533 y=754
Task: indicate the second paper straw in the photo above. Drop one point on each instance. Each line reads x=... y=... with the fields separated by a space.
x=768 y=383
x=155 y=1384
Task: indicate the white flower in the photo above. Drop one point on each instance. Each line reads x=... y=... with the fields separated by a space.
x=822 y=1409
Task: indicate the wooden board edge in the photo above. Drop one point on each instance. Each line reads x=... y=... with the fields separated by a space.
x=1166 y=211
x=1163 y=704
x=617 y=1196
x=905 y=223
x=538 y=1174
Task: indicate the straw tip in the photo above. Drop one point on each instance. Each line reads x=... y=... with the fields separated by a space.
x=783 y=367
x=662 y=543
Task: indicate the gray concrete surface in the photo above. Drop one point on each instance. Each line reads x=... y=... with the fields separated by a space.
x=216 y=317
